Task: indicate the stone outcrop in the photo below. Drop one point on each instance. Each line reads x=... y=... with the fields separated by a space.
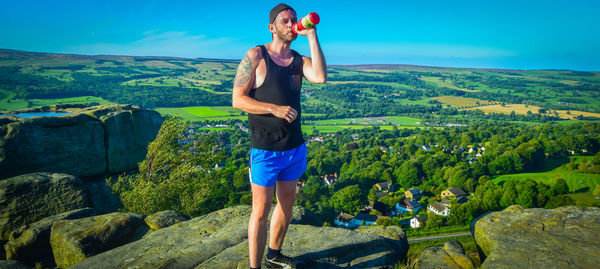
x=103 y=199
x=451 y=255
x=31 y=243
x=73 y=241
x=391 y=232
x=219 y=240
x=12 y=264
x=164 y=219
x=565 y=237
x=87 y=142
x=31 y=197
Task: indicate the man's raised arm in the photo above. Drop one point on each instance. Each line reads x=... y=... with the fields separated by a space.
x=314 y=68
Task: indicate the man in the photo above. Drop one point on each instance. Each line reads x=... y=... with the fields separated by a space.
x=267 y=87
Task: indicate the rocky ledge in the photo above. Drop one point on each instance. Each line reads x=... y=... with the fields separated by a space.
x=86 y=142
x=219 y=240
x=565 y=237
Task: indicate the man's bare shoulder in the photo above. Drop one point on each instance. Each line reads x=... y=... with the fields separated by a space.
x=254 y=54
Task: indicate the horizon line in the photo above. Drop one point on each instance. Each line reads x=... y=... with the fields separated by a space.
x=329 y=65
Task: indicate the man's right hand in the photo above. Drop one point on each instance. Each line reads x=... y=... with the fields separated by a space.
x=285 y=112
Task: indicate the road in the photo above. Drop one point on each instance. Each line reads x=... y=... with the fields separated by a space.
x=421 y=239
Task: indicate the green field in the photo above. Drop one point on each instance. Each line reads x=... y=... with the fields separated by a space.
x=555 y=169
x=202 y=113
x=394 y=120
x=8 y=103
x=72 y=100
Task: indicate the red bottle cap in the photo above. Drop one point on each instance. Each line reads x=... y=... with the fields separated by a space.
x=314 y=18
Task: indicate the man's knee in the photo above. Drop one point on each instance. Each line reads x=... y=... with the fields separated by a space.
x=261 y=212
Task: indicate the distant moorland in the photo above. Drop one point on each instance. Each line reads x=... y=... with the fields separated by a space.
x=357 y=96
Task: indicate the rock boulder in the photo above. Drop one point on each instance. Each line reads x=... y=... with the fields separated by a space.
x=31 y=243
x=219 y=240
x=73 y=241
x=164 y=219
x=31 y=197
x=451 y=255
x=564 y=237
x=87 y=142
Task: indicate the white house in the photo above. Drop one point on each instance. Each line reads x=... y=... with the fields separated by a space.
x=438 y=209
x=418 y=222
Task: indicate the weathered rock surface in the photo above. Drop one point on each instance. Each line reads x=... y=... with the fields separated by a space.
x=31 y=197
x=219 y=240
x=164 y=219
x=451 y=255
x=73 y=241
x=103 y=199
x=88 y=141
x=72 y=144
x=391 y=232
x=12 y=264
x=565 y=237
x=31 y=243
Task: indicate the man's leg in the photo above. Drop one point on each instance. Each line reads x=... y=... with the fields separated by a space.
x=282 y=214
x=262 y=198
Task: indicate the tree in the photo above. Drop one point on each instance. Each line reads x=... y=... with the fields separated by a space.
x=372 y=194
x=433 y=221
x=560 y=187
x=349 y=199
x=172 y=177
x=509 y=194
x=408 y=174
x=597 y=191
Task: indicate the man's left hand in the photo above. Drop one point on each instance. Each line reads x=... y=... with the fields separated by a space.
x=305 y=32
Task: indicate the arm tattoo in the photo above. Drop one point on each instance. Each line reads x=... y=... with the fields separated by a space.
x=244 y=72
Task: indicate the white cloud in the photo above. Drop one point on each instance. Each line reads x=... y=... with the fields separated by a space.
x=168 y=43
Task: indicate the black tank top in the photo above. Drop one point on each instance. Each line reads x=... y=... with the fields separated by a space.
x=281 y=87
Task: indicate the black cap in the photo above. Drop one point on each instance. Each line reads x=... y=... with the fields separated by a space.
x=275 y=11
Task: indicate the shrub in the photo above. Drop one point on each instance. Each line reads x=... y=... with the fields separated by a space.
x=172 y=176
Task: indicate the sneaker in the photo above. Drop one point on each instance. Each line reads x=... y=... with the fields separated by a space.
x=280 y=261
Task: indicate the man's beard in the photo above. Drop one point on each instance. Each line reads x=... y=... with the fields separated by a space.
x=285 y=37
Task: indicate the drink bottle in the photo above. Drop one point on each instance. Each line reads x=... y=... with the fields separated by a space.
x=307 y=22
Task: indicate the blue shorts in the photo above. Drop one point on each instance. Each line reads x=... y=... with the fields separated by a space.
x=266 y=167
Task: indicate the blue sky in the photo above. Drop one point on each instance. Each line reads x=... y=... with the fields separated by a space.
x=485 y=34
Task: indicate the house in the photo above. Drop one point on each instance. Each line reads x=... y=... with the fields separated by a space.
x=453 y=192
x=348 y=221
x=413 y=194
x=462 y=200
x=382 y=194
x=344 y=220
x=330 y=179
x=316 y=139
x=438 y=209
x=379 y=206
x=219 y=165
x=418 y=222
x=446 y=202
x=383 y=186
x=424 y=147
x=368 y=219
x=412 y=206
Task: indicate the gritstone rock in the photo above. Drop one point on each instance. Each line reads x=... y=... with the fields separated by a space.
x=219 y=240
x=31 y=243
x=564 y=237
x=75 y=240
x=451 y=255
x=31 y=197
x=87 y=142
